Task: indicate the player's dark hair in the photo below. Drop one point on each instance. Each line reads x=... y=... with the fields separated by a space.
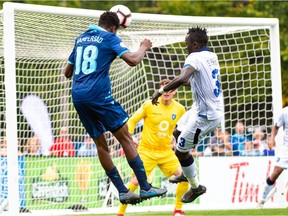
x=109 y=19
x=199 y=35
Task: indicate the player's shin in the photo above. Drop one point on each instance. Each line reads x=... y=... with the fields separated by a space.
x=267 y=188
x=138 y=168
x=117 y=180
x=189 y=170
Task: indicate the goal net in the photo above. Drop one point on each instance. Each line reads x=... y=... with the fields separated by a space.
x=35 y=98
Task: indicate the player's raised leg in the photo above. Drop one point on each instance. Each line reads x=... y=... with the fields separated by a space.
x=269 y=187
x=125 y=196
x=147 y=191
x=187 y=140
x=189 y=170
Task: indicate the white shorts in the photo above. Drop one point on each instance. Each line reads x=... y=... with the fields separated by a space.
x=188 y=116
x=196 y=129
x=282 y=157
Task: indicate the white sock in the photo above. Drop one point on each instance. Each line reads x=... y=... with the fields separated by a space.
x=266 y=190
x=191 y=175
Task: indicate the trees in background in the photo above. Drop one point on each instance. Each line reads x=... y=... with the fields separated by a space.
x=243 y=8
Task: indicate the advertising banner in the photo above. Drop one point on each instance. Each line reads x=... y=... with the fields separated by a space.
x=4 y=180
x=62 y=182
x=237 y=182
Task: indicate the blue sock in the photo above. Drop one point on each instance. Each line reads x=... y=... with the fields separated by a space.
x=117 y=180
x=137 y=165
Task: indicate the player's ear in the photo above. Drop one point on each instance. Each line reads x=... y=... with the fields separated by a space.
x=114 y=29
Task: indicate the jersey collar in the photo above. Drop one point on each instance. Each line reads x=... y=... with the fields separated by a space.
x=96 y=27
x=204 y=49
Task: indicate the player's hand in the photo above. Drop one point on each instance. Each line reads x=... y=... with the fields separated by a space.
x=135 y=144
x=146 y=43
x=155 y=97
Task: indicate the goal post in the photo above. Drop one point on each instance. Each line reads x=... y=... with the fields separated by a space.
x=11 y=113
x=36 y=43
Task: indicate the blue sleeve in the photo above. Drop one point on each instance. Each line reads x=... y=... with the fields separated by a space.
x=118 y=46
x=71 y=59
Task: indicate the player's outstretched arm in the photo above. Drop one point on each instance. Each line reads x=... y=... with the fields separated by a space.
x=182 y=79
x=134 y=58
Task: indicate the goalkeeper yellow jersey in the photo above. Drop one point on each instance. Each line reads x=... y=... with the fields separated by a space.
x=159 y=123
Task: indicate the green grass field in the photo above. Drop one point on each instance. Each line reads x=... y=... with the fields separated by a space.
x=246 y=212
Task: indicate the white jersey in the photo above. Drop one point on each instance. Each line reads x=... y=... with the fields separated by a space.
x=205 y=84
x=283 y=121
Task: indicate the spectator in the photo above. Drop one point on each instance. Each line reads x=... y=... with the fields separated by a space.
x=238 y=138
x=88 y=147
x=62 y=145
x=270 y=150
x=220 y=144
x=3 y=147
x=202 y=149
x=259 y=141
x=249 y=150
x=33 y=146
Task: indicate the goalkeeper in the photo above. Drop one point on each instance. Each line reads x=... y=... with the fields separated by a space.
x=155 y=147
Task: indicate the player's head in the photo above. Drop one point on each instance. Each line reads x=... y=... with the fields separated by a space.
x=196 y=38
x=166 y=96
x=109 y=21
x=239 y=127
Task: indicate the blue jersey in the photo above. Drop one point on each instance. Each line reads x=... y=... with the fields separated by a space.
x=93 y=53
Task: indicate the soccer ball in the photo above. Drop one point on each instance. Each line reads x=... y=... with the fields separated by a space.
x=124 y=15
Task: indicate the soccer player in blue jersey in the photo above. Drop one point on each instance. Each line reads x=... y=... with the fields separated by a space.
x=89 y=64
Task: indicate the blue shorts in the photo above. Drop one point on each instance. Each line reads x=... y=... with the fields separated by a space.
x=98 y=118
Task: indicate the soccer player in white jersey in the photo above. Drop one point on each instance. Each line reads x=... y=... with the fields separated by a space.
x=202 y=69
x=282 y=157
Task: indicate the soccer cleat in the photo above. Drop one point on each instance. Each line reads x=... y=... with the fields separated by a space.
x=152 y=192
x=177 y=179
x=271 y=190
x=261 y=204
x=120 y=214
x=178 y=213
x=129 y=198
x=192 y=194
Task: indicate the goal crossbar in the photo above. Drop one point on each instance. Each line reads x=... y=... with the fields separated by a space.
x=37 y=42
